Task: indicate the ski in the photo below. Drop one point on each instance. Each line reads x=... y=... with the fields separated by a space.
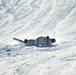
x=18 y=40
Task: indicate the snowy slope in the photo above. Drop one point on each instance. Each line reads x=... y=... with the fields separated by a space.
x=30 y=19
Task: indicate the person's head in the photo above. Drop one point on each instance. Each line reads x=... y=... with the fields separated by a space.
x=53 y=40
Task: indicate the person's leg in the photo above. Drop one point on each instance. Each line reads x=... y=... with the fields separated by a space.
x=37 y=42
x=25 y=41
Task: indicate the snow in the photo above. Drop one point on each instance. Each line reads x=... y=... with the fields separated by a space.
x=31 y=19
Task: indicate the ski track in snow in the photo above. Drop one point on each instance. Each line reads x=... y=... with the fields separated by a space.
x=30 y=19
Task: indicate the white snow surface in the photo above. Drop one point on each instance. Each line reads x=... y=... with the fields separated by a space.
x=31 y=19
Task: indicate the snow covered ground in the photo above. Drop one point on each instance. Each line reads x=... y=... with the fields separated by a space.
x=30 y=19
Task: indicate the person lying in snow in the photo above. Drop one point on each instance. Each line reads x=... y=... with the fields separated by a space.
x=40 y=41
